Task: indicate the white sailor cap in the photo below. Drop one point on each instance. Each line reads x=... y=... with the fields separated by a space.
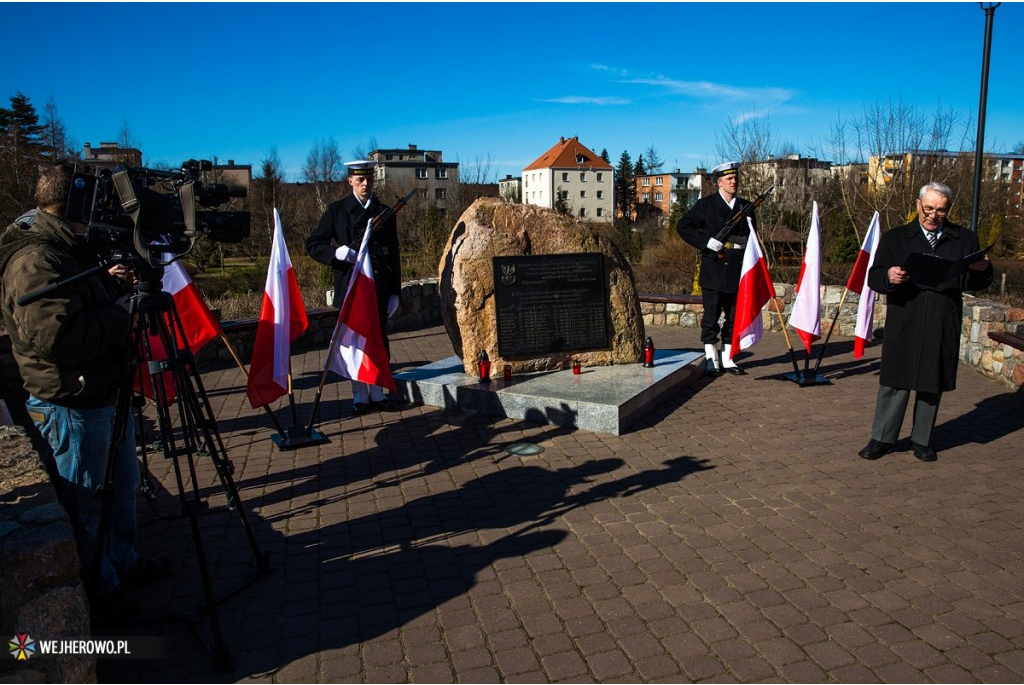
x=361 y=167
x=726 y=169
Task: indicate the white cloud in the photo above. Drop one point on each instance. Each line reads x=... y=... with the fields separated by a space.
x=588 y=100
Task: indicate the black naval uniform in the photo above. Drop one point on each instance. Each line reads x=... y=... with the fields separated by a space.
x=343 y=224
x=719 y=276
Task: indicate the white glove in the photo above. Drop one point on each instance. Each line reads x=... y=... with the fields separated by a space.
x=345 y=254
x=392 y=305
x=715 y=245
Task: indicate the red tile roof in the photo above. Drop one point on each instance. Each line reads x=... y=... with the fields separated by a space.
x=564 y=156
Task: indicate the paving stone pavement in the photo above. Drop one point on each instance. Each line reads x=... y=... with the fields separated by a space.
x=731 y=535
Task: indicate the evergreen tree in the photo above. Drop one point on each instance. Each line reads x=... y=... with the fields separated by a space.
x=21 y=149
x=625 y=187
x=640 y=169
x=604 y=155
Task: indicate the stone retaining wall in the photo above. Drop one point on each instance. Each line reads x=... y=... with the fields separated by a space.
x=981 y=316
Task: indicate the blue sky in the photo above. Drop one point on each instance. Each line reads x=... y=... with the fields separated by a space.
x=497 y=81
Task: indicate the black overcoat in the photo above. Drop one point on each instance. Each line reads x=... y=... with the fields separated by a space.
x=703 y=221
x=343 y=224
x=921 y=347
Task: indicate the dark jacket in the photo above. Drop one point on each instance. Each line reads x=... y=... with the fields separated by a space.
x=703 y=221
x=921 y=347
x=343 y=224
x=70 y=344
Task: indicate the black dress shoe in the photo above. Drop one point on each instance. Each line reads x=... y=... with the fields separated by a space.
x=710 y=369
x=360 y=408
x=386 y=404
x=924 y=453
x=875 y=450
x=735 y=370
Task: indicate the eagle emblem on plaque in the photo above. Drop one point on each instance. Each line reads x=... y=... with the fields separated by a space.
x=508 y=274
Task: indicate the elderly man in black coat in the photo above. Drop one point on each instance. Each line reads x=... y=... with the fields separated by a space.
x=921 y=348
x=335 y=242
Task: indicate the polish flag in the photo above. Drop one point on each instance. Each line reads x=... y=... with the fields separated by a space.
x=197 y=320
x=806 y=316
x=360 y=353
x=755 y=291
x=858 y=283
x=282 y=320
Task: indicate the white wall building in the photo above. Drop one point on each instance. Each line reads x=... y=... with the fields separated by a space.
x=584 y=181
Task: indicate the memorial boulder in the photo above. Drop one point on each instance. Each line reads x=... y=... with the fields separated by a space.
x=540 y=305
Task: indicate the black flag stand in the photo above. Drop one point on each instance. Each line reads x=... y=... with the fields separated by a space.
x=297 y=435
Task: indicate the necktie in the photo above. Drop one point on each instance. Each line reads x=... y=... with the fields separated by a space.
x=932 y=238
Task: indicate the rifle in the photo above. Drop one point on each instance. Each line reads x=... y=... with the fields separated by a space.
x=390 y=211
x=737 y=218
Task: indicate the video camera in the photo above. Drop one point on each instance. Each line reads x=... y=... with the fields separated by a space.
x=154 y=212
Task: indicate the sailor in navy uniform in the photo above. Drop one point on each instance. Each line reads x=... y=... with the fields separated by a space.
x=721 y=262
x=335 y=243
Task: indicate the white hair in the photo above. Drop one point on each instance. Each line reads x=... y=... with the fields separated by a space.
x=936 y=187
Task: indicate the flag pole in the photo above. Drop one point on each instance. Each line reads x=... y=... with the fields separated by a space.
x=828 y=336
x=792 y=353
x=245 y=372
x=327 y=363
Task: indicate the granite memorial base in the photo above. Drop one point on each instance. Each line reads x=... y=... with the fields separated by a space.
x=602 y=399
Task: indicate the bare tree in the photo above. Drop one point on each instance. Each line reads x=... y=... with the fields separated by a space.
x=57 y=141
x=653 y=160
x=324 y=170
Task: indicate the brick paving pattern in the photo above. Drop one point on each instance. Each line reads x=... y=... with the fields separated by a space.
x=731 y=535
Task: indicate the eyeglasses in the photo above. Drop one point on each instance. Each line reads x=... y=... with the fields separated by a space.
x=937 y=211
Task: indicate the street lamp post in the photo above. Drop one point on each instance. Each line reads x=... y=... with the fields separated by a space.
x=990 y=11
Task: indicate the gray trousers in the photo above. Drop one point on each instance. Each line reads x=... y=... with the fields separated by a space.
x=891 y=407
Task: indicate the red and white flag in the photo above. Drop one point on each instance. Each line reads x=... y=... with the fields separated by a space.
x=360 y=353
x=858 y=283
x=755 y=291
x=282 y=320
x=199 y=324
x=806 y=315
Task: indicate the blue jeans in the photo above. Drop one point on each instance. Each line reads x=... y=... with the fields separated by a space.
x=80 y=440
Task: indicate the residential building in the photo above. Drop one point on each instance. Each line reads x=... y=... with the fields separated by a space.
x=657 y=193
x=572 y=172
x=1006 y=168
x=403 y=169
x=510 y=189
x=798 y=180
x=231 y=174
x=111 y=155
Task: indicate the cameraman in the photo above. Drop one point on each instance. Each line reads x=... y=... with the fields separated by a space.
x=70 y=349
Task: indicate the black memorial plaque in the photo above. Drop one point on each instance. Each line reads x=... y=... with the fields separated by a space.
x=550 y=303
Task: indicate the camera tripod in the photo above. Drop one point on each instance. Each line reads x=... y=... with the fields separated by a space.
x=176 y=385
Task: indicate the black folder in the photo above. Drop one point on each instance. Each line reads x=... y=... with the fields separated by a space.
x=931 y=270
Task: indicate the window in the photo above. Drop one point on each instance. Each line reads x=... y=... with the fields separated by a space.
x=423 y=193
x=565 y=177
x=600 y=211
x=583 y=194
x=421 y=172
x=600 y=176
x=583 y=212
x=439 y=193
x=646 y=197
x=565 y=194
x=658 y=197
x=658 y=181
x=600 y=195
x=440 y=172
x=645 y=182
x=580 y=159
x=389 y=157
x=583 y=176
